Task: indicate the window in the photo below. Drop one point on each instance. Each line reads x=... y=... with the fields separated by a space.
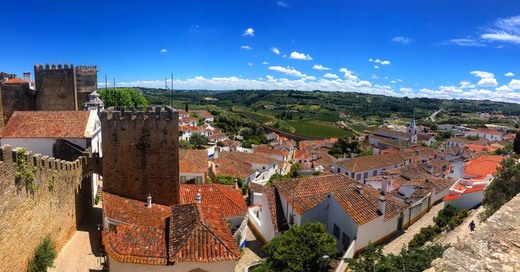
x=374 y=173
x=345 y=239
x=336 y=231
x=183 y=179
x=358 y=176
x=352 y=175
x=365 y=175
x=198 y=180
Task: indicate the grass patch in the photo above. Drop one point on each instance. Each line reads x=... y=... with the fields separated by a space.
x=318 y=130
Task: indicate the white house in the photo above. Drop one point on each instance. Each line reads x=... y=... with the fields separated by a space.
x=488 y=134
x=349 y=210
x=361 y=168
x=39 y=132
x=193 y=166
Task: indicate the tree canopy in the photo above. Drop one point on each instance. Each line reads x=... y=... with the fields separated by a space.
x=198 y=140
x=122 y=97
x=516 y=143
x=308 y=247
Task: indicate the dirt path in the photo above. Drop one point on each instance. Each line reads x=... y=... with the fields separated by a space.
x=252 y=252
x=81 y=253
x=395 y=245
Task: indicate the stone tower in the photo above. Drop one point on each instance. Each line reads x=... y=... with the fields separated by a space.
x=141 y=153
x=55 y=87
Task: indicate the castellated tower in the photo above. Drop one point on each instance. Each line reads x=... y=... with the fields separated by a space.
x=56 y=87
x=141 y=153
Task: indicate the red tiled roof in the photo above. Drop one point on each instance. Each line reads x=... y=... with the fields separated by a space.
x=46 y=124
x=198 y=233
x=133 y=212
x=15 y=80
x=193 y=161
x=233 y=168
x=249 y=158
x=226 y=197
x=362 y=207
x=451 y=197
x=137 y=244
x=366 y=163
x=305 y=193
x=482 y=166
x=269 y=151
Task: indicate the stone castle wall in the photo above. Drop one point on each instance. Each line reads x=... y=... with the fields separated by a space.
x=493 y=246
x=140 y=153
x=56 y=206
x=86 y=82
x=15 y=97
x=56 y=87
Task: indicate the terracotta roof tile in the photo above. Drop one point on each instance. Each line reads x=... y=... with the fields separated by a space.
x=15 y=80
x=250 y=158
x=133 y=212
x=268 y=151
x=277 y=215
x=229 y=199
x=137 y=244
x=198 y=233
x=233 y=168
x=193 y=161
x=47 y=124
x=483 y=166
x=366 y=163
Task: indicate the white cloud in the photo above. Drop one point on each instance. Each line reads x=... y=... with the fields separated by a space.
x=509 y=74
x=348 y=74
x=330 y=75
x=503 y=88
x=290 y=71
x=282 y=4
x=385 y=62
x=249 y=32
x=247 y=47
x=284 y=56
x=466 y=42
x=403 y=40
x=164 y=50
x=487 y=82
x=265 y=63
x=364 y=83
x=250 y=64
x=275 y=50
x=406 y=91
x=466 y=84
x=376 y=67
x=374 y=76
x=514 y=84
x=393 y=81
x=300 y=56
x=504 y=30
x=482 y=74
x=320 y=67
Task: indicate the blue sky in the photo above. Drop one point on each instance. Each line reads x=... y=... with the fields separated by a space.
x=442 y=48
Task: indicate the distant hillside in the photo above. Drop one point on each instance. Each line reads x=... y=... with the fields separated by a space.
x=356 y=104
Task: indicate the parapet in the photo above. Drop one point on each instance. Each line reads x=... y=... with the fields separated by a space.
x=52 y=67
x=132 y=113
x=8 y=155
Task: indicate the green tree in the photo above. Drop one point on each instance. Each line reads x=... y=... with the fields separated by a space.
x=301 y=248
x=516 y=143
x=186 y=107
x=198 y=140
x=183 y=144
x=505 y=185
x=122 y=97
x=43 y=256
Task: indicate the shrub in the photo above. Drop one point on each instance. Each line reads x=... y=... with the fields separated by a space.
x=43 y=256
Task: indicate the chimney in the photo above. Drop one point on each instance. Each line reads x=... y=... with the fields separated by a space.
x=27 y=76
x=359 y=189
x=429 y=169
x=198 y=197
x=381 y=205
x=149 y=201
x=236 y=184
x=384 y=185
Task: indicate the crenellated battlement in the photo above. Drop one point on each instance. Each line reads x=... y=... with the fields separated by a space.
x=139 y=113
x=37 y=161
x=86 y=67
x=38 y=67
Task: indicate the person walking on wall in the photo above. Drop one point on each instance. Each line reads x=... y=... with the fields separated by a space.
x=472 y=226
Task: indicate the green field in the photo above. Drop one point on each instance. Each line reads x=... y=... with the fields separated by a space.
x=318 y=130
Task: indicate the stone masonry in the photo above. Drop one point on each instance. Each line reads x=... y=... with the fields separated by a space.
x=141 y=153
x=59 y=201
x=493 y=246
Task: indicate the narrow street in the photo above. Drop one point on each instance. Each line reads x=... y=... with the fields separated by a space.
x=81 y=253
x=252 y=252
